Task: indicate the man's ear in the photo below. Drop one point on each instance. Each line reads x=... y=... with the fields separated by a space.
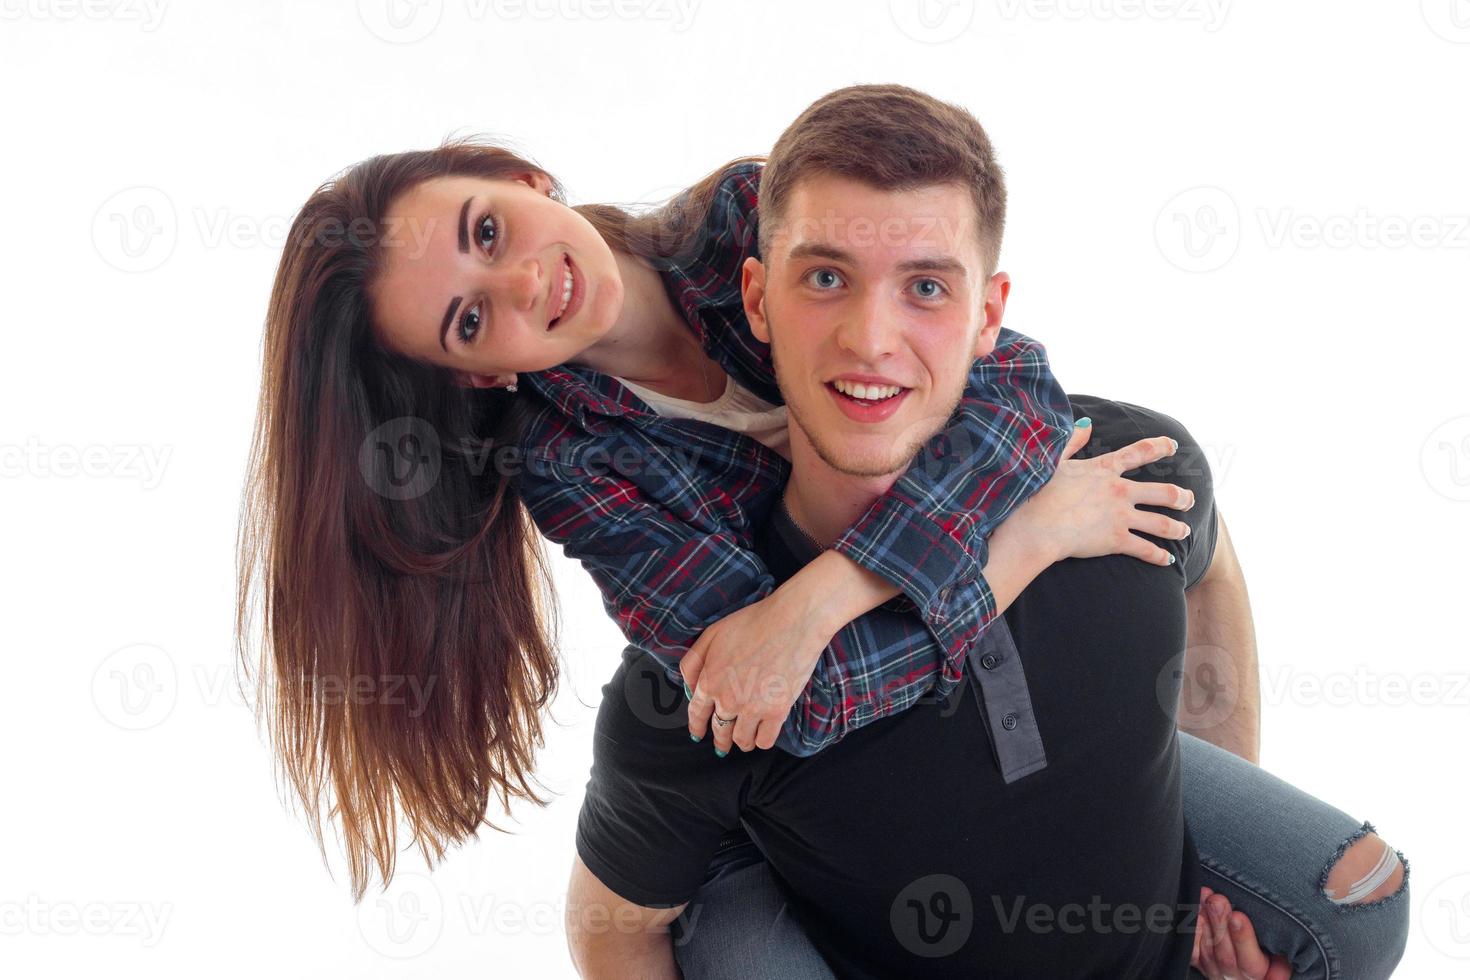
x=997 y=291
x=753 y=295
x=536 y=180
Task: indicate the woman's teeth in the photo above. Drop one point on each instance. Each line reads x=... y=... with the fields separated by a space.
x=866 y=392
x=566 y=289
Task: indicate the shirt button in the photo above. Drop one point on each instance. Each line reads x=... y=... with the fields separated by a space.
x=1009 y=722
x=988 y=661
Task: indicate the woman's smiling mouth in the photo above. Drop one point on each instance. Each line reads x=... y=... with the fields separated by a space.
x=570 y=297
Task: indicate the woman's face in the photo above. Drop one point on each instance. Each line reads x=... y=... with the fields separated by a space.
x=476 y=278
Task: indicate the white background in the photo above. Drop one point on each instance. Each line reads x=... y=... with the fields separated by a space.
x=1250 y=215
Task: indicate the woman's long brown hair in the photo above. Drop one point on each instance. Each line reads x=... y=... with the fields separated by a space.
x=407 y=622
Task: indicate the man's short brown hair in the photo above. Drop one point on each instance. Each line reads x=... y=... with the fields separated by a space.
x=890 y=137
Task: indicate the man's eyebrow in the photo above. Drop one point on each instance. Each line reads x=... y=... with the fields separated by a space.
x=821 y=250
x=946 y=264
x=448 y=316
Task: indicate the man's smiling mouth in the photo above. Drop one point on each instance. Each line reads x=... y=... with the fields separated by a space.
x=869 y=393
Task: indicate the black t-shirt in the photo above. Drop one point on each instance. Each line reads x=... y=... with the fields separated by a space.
x=901 y=848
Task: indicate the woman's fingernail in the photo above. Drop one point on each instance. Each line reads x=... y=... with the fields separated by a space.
x=1172 y=559
x=1175 y=444
x=721 y=753
x=688 y=693
x=695 y=738
x=1084 y=422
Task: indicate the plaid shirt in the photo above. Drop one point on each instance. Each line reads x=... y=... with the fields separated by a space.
x=662 y=511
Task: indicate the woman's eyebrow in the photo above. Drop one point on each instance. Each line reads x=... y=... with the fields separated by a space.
x=448 y=316
x=464 y=246
x=464 y=229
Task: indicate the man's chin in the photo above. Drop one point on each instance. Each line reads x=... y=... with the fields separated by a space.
x=865 y=462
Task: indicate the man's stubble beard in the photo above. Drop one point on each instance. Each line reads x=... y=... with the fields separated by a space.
x=860 y=467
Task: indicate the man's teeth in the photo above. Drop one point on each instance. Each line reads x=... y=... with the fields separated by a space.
x=866 y=392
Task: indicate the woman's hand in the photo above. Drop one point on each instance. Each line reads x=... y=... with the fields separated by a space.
x=1225 y=946
x=1088 y=509
x=751 y=666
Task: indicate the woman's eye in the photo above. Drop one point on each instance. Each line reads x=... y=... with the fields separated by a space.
x=824 y=278
x=486 y=232
x=933 y=291
x=469 y=324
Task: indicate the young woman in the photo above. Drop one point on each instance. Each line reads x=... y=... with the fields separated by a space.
x=448 y=341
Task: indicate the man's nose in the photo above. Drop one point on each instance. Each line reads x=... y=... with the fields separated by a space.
x=870 y=328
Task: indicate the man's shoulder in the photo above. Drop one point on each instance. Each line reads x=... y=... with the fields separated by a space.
x=1117 y=423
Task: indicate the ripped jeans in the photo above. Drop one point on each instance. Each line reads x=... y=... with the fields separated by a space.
x=1263 y=844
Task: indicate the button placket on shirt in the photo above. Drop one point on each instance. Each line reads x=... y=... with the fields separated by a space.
x=1004 y=700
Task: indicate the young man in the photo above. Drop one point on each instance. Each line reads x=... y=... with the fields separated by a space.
x=1031 y=823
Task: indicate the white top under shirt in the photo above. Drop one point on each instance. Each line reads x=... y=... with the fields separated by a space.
x=738 y=409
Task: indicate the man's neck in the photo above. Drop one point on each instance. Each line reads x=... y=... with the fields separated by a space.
x=823 y=501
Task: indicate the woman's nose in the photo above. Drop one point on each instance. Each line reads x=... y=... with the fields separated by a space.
x=522 y=283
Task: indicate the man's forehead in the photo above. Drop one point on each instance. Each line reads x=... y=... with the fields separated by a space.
x=844 y=220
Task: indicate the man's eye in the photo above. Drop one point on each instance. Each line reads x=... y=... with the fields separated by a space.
x=486 y=232
x=824 y=278
x=469 y=324
x=934 y=289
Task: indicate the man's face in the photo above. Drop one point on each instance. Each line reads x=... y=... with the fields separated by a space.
x=875 y=304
